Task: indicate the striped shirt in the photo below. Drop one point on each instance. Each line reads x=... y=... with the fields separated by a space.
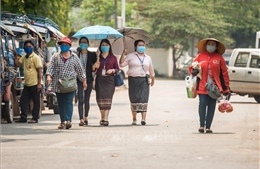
x=83 y=58
x=71 y=68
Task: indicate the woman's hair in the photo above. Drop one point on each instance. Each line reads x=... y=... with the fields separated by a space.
x=83 y=38
x=110 y=47
x=137 y=41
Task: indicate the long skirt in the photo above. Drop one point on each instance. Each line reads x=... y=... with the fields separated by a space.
x=105 y=88
x=138 y=93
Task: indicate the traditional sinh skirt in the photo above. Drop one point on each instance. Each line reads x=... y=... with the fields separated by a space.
x=105 y=88
x=138 y=93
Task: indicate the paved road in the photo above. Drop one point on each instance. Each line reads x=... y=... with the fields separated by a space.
x=169 y=140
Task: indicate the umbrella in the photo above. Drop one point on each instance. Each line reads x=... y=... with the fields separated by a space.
x=98 y=32
x=127 y=41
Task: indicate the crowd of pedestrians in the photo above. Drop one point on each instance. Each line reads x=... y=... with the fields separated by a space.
x=100 y=67
x=86 y=68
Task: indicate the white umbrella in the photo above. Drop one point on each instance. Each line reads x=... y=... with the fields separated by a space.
x=127 y=41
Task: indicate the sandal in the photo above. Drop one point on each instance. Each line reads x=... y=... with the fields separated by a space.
x=106 y=123
x=32 y=121
x=68 y=125
x=101 y=122
x=61 y=126
x=81 y=123
x=134 y=122
x=201 y=130
x=86 y=122
x=143 y=122
x=209 y=131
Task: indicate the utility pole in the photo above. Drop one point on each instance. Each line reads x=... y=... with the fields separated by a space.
x=116 y=14
x=123 y=13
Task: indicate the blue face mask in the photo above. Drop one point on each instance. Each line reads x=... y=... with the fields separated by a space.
x=140 y=49
x=104 y=48
x=83 y=46
x=28 y=50
x=64 y=48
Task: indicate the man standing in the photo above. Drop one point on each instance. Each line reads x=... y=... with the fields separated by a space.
x=32 y=66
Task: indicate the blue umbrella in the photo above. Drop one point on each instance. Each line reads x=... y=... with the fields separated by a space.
x=98 y=32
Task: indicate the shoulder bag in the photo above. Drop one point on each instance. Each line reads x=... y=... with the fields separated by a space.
x=68 y=84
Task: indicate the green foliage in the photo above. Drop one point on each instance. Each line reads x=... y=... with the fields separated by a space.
x=56 y=10
x=178 y=22
x=102 y=12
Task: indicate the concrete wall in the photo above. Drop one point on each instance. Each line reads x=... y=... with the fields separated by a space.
x=162 y=60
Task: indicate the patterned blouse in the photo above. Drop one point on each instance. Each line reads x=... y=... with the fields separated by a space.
x=71 y=67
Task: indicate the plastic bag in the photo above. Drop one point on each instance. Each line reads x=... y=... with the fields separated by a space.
x=191 y=86
x=225 y=106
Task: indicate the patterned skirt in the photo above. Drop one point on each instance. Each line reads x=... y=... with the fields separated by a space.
x=138 y=93
x=105 y=88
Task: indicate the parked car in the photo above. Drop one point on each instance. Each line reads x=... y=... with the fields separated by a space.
x=244 y=71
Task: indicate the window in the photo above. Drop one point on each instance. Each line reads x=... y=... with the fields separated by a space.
x=255 y=61
x=242 y=60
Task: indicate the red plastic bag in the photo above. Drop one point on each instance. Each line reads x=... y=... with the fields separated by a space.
x=225 y=106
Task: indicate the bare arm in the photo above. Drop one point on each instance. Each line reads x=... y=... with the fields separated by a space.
x=122 y=58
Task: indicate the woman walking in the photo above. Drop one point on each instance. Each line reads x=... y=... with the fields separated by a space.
x=63 y=65
x=213 y=66
x=87 y=59
x=139 y=74
x=105 y=67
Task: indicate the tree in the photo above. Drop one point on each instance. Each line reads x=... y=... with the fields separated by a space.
x=180 y=22
x=56 y=10
x=101 y=12
x=244 y=16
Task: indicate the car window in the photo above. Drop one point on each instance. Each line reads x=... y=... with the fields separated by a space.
x=241 y=60
x=255 y=61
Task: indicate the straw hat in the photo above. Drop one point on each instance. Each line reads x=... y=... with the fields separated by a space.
x=65 y=40
x=202 y=45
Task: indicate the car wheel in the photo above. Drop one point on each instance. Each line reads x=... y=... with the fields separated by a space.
x=257 y=98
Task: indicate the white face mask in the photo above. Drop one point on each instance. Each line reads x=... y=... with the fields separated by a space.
x=211 y=48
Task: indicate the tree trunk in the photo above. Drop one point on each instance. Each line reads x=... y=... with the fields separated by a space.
x=174 y=59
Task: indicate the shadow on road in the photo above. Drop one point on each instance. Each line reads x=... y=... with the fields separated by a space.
x=244 y=102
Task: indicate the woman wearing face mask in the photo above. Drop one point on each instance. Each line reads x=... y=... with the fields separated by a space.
x=213 y=65
x=87 y=59
x=65 y=64
x=106 y=67
x=139 y=74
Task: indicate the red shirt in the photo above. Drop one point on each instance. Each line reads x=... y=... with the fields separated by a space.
x=218 y=71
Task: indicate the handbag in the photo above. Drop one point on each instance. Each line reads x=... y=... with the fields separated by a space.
x=212 y=89
x=118 y=79
x=68 y=84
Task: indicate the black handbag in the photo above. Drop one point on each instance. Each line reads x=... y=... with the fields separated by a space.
x=118 y=79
